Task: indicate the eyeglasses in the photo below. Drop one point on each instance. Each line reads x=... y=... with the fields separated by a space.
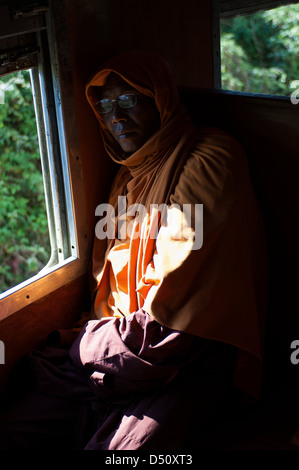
x=124 y=101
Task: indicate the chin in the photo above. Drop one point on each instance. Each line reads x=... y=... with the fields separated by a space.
x=131 y=143
x=130 y=148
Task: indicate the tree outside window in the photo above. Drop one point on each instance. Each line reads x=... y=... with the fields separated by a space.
x=260 y=52
x=24 y=234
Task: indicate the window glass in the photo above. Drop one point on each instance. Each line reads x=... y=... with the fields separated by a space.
x=24 y=234
x=260 y=51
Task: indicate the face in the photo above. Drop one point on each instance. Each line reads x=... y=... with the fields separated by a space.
x=130 y=127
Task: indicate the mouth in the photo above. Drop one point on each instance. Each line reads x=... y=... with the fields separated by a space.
x=128 y=139
x=120 y=130
x=124 y=134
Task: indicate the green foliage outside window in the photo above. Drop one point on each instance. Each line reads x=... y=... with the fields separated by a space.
x=260 y=52
x=24 y=237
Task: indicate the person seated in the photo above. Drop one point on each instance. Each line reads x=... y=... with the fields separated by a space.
x=180 y=282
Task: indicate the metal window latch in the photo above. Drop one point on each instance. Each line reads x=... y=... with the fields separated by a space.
x=32 y=9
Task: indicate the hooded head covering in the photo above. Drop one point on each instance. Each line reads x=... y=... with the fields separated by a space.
x=216 y=291
x=150 y=75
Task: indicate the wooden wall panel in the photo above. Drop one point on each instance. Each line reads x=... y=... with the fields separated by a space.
x=178 y=30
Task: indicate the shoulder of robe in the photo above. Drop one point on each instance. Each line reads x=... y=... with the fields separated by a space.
x=214 y=173
x=217 y=149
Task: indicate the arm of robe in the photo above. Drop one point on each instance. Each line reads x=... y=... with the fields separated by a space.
x=219 y=291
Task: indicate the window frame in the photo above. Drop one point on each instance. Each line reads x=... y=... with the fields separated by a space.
x=231 y=8
x=54 y=98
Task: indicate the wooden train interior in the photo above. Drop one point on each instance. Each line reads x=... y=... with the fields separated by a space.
x=185 y=34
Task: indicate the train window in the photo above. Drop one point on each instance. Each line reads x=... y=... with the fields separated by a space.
x=24 y=234
x=259 y=46
x=42 y=246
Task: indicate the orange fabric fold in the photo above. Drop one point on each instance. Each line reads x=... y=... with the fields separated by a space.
x=216 y=292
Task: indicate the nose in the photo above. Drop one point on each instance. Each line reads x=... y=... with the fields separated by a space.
x=117 y=113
